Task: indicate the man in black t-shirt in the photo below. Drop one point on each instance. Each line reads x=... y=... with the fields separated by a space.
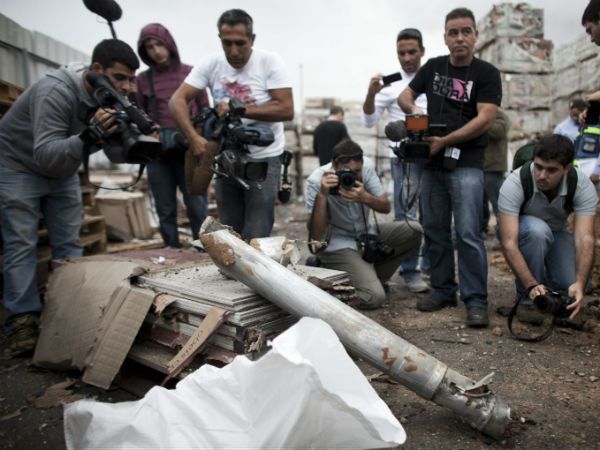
x=463 y=93
x=328 y=134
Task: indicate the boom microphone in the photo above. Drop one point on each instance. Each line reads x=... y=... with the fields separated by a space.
x=395 y=131
x=107 y=9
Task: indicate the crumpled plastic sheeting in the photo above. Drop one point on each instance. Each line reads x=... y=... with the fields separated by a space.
x=304 y=393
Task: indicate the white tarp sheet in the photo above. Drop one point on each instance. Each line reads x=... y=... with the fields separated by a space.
x=304 y=393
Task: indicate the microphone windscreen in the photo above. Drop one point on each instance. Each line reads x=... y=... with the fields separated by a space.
x=395 y=131
x=107 y=9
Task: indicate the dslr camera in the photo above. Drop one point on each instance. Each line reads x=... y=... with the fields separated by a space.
x=408 y=137
x=132 y=122
x=346 y=180
x=554 y=303
x=374 y=249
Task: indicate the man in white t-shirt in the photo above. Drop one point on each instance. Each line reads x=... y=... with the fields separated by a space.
x=260 y=80
x=407 y=176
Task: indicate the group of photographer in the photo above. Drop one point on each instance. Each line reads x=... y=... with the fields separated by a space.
x=55 y=124
x=463 y=93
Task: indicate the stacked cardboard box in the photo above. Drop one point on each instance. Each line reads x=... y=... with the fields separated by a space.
x=192 y=292
x=126 y=214
x=511 y=38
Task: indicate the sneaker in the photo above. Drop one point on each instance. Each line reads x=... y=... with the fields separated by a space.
x=417 y=285
x=477 y=317
x=431 y=303
x=23 y=335
x=529 y=314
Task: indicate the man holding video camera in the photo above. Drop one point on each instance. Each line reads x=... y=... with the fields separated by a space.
x=383 y=97
x=463 y=93
x=42 y=141
x=534 y=207
x=259 y=79
x=340 y=197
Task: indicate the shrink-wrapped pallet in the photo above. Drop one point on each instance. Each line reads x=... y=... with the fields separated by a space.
x=509 y=19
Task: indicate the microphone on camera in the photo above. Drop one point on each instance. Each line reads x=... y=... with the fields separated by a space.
x=395 y=131
x=107 y=9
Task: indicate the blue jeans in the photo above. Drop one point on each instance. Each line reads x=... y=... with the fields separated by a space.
x=250 y=213
x=23 y=196
x=459 y=194
x=406 y=188
x=164 y=177
x=550 y=255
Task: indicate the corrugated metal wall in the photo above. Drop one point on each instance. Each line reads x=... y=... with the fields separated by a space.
x=25 y=56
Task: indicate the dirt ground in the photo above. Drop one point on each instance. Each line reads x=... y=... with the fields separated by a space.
x=552 y=387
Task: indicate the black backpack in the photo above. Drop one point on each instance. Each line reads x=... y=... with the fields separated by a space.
x=527 y=184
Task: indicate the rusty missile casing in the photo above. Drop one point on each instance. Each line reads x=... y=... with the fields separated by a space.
x=363 y=337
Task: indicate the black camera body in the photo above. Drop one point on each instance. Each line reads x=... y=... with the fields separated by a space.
x=554 y=303
x=374 y=249
x=132 y=124
x=347 y=179
x=409 y=136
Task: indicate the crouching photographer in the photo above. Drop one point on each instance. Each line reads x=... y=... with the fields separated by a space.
x=340 y=197
x=535 y=203
x=43 y=138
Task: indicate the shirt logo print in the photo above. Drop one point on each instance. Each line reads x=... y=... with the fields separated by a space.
x=452 y=88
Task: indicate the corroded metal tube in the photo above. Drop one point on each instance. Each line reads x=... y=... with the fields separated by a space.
x=401 y=360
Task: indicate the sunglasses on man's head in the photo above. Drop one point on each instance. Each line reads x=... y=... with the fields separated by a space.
x=347 y=159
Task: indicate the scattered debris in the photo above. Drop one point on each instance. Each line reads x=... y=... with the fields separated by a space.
x=497 y=331
x=56 y=395
x=13 y=414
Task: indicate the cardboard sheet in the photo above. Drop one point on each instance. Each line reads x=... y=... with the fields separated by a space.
x=90 y=318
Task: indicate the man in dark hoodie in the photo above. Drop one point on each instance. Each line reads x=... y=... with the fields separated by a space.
x=42 y=140
x=155 y=87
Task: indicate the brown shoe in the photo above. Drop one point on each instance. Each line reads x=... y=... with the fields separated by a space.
x=23 y=335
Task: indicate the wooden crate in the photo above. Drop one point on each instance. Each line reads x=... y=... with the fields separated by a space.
x=93 y=235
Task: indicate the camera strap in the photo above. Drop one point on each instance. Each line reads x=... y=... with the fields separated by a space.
x=408 y=201
x=315 y=246
x=86 y=168
x=539 y=338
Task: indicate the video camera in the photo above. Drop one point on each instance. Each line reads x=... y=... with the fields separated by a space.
x=233 y=137
x=131 y=121
x=408 y=137
x=346 y=180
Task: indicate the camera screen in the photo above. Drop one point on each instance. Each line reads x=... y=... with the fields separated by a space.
x=417 y=122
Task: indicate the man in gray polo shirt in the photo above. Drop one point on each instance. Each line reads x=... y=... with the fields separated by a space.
x=340 y=215
x=536 y=244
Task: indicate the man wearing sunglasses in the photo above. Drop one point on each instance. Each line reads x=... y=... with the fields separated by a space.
x=342 y=198
x=41 y=148
x=407 y=176
x=463 y=92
